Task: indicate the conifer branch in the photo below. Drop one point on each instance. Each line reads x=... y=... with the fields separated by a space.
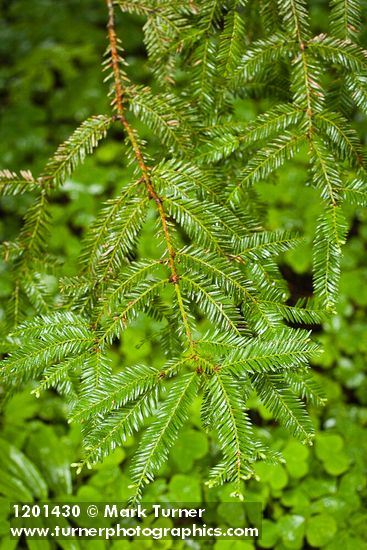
x=12 y=184
x=226 y=327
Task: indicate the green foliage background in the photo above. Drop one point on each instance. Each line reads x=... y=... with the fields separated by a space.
x=50 y=80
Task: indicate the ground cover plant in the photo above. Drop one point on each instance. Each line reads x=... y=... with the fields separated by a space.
x=181 y=259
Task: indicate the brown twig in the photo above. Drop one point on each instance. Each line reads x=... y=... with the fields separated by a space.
x=145 y=171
